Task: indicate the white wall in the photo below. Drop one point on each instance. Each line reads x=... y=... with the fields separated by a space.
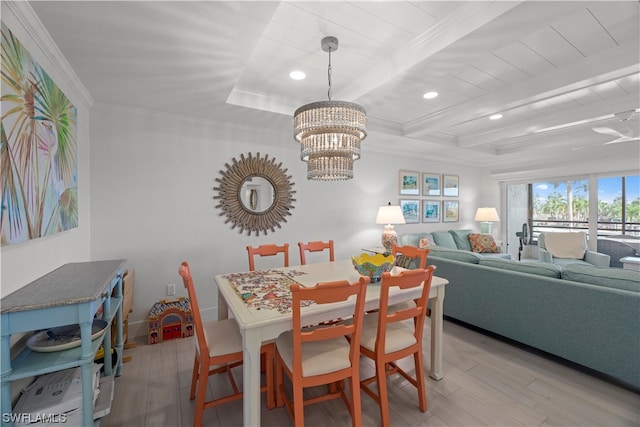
x=25 y=262
x=152 y=179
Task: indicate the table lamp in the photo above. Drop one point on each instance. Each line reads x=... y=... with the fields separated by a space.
x=389 y=215
x=486 y=216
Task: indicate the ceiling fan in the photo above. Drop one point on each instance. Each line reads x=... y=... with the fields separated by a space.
x=622 y=131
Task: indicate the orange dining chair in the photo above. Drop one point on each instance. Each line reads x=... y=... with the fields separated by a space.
x=409 y=253
x=268 y=250
x=386 y=338
x=405 y=256
x=321 y=354
x=218 y=350
x=316 y=246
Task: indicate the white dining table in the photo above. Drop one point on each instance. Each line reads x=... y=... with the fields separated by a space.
x=258 y=325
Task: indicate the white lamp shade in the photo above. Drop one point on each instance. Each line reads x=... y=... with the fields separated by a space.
x=487 y=214
x=390 y=215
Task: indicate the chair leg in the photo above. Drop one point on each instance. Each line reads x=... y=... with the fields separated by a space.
x=335 y=387
x=279 y=382
x=202 y=392
x=194 y=377
x=381 y=374
x=298 y=406
x=420 y=380
x=356 y=407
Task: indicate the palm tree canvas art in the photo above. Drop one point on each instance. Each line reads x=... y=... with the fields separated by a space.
x=38 y=149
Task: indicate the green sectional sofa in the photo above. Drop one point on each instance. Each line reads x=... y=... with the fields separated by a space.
x=584 y=314
x=451 y=244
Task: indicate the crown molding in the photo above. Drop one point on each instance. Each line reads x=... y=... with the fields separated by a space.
x=21 y=13
x=190 y=120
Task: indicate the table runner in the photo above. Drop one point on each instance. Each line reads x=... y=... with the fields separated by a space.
x=266 y=289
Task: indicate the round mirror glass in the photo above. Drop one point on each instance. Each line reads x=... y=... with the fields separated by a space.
x=257 y=194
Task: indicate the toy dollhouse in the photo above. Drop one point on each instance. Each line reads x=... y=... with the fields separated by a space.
x=170 y=319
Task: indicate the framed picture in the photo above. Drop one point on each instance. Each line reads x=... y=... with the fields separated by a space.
x=410 y=210
x=409 y=183
x=430 y=184
x=450 y=210
x=450 y=185
x=430 y=210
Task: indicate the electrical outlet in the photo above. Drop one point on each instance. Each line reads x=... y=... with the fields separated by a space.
x=171 y=290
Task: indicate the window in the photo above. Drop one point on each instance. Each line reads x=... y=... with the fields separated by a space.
x=563 y=205
x=619 y=206
x=560 y=205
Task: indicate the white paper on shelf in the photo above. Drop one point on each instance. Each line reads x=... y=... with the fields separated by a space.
x=54 y=397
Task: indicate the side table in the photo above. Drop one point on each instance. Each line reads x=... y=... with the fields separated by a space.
x=630 y=263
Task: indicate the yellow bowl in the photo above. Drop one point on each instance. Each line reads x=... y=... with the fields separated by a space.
x=373 y=265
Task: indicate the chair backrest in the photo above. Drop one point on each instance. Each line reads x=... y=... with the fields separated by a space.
x=187 y=280
x=326 y=293
x=268 y=250
x=316 y=246
x=405 y=280
x=413 y=252
x=564 y=244
x=616 y=250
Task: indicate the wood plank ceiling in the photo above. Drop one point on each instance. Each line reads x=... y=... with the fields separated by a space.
x=552 y=69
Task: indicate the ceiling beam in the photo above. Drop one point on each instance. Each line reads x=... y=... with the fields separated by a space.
x=588 y=114
x=612 y=64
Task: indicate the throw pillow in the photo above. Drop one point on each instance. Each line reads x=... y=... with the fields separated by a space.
x=403 y=261
x=426 y=241
x=483 y=243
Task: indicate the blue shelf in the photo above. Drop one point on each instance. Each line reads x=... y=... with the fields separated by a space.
x=71 y=294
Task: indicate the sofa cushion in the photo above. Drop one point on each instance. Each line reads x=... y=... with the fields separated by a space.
x=610 y=277
x=569 y=261
x=444 y=239
x=454 y=254
x=483 y=243
x=426 y=241
x=461 y=237
x=502 y=255
x=537 y=268
x=411 y=239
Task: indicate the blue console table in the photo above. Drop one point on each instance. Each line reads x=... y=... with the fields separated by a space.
x=71 y=294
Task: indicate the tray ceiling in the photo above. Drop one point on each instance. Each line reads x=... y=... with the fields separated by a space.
x=552 y=69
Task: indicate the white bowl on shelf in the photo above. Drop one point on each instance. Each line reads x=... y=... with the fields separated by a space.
x=63 y=337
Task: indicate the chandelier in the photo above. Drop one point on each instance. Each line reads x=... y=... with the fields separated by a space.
x=330 y=132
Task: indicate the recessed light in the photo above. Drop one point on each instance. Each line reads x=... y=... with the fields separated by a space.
x=430 y=95
x=495 y=116
x=297 y=75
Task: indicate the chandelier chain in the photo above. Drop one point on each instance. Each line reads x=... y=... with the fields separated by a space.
x=329 y=76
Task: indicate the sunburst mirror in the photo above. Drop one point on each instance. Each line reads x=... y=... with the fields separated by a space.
x=255 y=194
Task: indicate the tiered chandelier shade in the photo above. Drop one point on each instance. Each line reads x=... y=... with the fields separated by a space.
x=329 y=133
x=330 y=128
x=330 y=168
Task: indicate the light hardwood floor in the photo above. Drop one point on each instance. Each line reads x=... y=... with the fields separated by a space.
x=487 y=382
